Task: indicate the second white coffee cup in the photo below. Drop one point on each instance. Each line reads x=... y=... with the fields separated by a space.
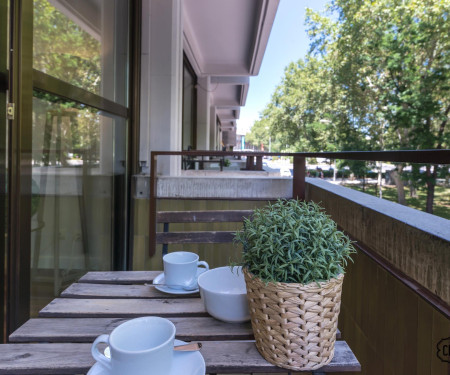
x=139 y=346
x=180 y=269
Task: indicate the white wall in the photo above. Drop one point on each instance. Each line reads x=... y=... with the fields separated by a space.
x=203 y=115
x=162 y=59
x=213 y=129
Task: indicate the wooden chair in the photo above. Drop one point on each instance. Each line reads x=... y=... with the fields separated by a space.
x=191 y=237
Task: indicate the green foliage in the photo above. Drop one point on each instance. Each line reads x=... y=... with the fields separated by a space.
x=376 y=78
x=294 y=242
x=62 y=49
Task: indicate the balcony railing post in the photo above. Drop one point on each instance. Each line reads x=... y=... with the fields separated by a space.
x=250 y=163
x=259 y=163
x=298 y=183
x=152 y=208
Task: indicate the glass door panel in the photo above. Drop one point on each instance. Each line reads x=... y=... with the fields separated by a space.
x=78 y=180
x=79 y=151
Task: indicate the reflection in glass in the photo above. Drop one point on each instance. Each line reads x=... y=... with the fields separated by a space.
x=84 y=43
x=78 y=183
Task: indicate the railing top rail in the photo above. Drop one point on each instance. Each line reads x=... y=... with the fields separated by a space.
x=402 y=156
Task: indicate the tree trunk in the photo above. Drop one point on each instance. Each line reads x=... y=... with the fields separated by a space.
x=412 y=191
x=431 y=182
x=334 y=171
x=380 y=180
x=397 y=177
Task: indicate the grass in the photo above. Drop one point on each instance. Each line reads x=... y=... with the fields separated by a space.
x=441 y=197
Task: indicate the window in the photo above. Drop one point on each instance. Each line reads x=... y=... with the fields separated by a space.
x=189 y=106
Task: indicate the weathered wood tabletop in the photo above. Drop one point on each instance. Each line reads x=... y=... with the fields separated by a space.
x=59 y=340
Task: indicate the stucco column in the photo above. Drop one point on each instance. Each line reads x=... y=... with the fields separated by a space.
x=213 y=129
x=203 y=117
x=162 y=59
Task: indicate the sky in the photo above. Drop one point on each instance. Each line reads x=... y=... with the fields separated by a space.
x=288 y=42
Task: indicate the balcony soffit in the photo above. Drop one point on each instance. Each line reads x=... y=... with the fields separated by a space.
x=227 y=37
x=226 y=40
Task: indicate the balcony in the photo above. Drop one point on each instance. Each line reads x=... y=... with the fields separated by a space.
x=395 y=306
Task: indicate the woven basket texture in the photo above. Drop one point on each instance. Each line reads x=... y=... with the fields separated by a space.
x=295 y=324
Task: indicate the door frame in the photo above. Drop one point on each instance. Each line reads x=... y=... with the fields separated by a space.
x=19 y=160
x=3 y=162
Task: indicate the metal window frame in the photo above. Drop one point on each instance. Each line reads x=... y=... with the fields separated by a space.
x=55 y=86
x=134 y=121
x=3 y=161
x=191 y=71
x=19 y=160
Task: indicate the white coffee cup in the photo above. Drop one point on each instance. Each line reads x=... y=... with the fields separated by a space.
x=139 y=346
x=180 y=269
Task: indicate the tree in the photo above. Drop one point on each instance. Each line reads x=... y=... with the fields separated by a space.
x=377 y=77
x=396 y=54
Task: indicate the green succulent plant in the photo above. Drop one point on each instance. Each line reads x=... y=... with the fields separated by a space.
x=293 y=242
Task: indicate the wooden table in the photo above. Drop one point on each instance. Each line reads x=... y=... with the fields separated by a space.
x=59 y=340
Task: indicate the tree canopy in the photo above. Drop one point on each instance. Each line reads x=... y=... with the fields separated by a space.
x=377 y=77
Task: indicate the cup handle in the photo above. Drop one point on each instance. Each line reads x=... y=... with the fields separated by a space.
x=100 y=357
x=203 y=263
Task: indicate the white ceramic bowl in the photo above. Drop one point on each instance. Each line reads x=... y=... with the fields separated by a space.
x=224 y=294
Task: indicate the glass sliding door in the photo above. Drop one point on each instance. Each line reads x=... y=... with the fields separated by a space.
x=64 y=149
x=79 y=142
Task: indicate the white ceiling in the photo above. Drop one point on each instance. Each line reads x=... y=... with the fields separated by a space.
x=224 y=33
x=226 y=40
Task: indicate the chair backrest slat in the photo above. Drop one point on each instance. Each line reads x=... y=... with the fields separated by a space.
x=194 y=237
x=202 y=216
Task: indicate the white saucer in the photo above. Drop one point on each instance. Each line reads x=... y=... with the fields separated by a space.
x=163 y=288
x=186 y=363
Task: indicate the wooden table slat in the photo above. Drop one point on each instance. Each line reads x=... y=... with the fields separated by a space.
x=220 y=357
x=122 y=308
x=119 y=277
x=86 y=290
x=87 y=329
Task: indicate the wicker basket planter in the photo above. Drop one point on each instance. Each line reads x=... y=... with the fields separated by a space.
x=295 y=324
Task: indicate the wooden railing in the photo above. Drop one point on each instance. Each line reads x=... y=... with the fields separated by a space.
x=299 y=164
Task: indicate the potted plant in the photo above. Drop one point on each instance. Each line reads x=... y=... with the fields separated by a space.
x=293 y=262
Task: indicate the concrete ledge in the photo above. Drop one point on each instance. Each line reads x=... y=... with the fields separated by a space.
x=219 y=185
x=434 y=225
x=223 y=186
x=415 y=242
